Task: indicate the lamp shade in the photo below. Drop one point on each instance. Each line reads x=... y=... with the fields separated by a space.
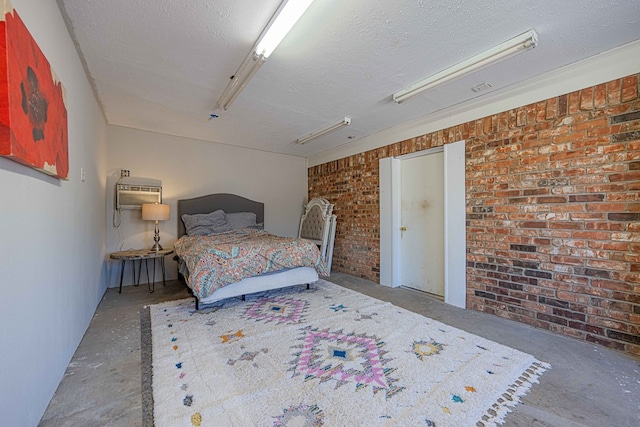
x=155 y=212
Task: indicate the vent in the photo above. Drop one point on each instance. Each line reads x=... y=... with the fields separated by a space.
x=133 y=196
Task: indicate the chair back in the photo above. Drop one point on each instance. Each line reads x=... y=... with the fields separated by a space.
x=318 y=224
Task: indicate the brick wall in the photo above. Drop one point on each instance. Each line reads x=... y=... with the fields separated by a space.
x=553 y=212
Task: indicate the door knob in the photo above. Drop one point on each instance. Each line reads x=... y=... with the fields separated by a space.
x=403 y=228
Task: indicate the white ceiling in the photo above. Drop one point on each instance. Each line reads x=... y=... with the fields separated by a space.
x=161 y=65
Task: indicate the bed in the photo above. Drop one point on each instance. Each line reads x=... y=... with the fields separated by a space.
x=192 y=249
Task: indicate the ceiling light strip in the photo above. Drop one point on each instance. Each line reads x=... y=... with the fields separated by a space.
x=318 y=133
x=288 y=13
x=283 y=20
x=239 y=80
x=518 y=44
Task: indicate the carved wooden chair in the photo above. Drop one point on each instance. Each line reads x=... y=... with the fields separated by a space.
x=318 y=224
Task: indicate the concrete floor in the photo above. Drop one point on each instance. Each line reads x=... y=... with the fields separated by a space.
x=588 y=385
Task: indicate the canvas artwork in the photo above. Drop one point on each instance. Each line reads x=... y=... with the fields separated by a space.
x=33 y=115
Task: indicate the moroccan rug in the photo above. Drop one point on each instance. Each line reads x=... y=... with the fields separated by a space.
x=326 y=356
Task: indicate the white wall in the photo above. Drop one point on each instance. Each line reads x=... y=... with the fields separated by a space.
x=52 y=239
x=190 y=168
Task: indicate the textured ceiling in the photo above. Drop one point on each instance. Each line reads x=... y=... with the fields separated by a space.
x=161 y=65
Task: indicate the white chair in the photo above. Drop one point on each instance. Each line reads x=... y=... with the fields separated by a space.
x=318 y=224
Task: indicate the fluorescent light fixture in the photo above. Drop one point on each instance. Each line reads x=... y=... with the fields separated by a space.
x=518 y=44
x=283 y=20
x=318 y=133
x=281 y=23
x=239 y=80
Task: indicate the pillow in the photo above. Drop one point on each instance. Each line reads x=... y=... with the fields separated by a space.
x=203 y=224
x=238 y=220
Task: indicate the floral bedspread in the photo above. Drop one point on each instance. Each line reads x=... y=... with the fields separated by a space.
x=217 y=260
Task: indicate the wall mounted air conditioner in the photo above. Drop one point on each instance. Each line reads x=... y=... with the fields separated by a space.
x=131 y=196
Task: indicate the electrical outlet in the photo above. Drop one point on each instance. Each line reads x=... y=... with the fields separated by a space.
x=83 y=177
x=124 y=173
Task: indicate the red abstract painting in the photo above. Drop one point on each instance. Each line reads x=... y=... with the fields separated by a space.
x=33 y=116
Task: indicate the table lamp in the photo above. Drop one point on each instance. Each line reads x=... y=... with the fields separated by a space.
x=155 y=212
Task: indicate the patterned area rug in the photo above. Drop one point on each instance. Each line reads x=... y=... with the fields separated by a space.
x=326 y=356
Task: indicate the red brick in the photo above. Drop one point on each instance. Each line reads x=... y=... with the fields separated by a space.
x=611 y=226
x=600 y=188
x=566 y=225
x=593 y=235
x=600 y=96
x=568 y=208
x=631 y=278
x=606 y=207
x=533 y=224
x=628 y=176
x=561 y=259
x=570 y=137
x=605 y=342
x=609 y=265
x=627 y=196
x=586 y=99
x=609 y=246
x=551 y=199
x=614 y=95
x=613 y=285
x=632 y=349
x=597 y=123
x=629 y=88
x=577 y=216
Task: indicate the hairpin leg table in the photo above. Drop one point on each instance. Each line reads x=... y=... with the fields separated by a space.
x=140 y=255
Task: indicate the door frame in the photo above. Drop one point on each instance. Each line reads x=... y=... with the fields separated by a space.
x=455 y=284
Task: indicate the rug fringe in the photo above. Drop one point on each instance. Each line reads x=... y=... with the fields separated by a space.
x=495 y=415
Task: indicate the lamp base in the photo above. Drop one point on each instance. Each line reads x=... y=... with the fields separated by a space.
x=156 y=247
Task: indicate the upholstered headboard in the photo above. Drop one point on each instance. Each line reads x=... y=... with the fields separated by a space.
x=318 y=224
x=313 y=224
x=229 y=203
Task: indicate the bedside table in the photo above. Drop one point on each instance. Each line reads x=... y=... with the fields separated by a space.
x=140 y=255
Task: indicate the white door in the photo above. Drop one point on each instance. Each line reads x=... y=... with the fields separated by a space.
x=422 y=223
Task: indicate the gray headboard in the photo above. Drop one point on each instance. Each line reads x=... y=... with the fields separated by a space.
x=227 y=202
